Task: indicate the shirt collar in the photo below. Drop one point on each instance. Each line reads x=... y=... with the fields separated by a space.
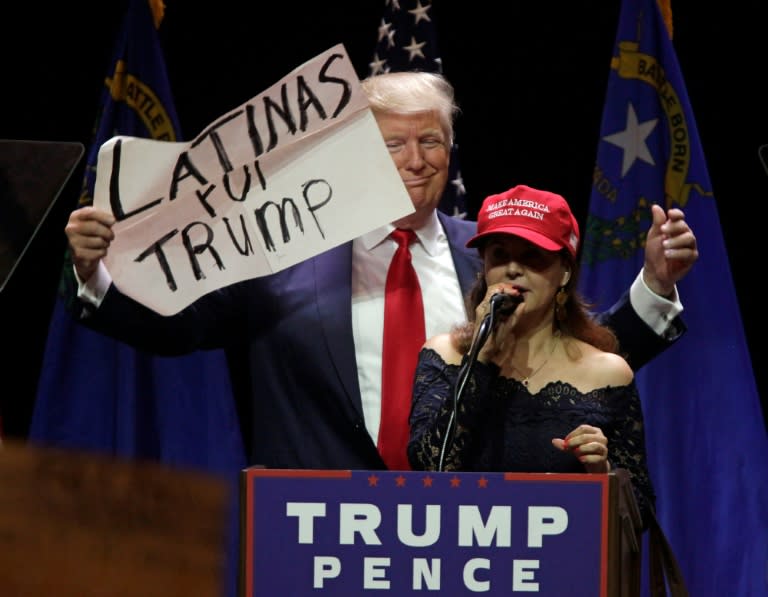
x=430 y=235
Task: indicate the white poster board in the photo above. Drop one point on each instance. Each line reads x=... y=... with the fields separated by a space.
x=293 y=172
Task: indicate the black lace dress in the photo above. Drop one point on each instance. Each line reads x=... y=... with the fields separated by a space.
x=501 y=426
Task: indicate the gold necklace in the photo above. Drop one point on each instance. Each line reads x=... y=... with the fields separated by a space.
x=527 y=378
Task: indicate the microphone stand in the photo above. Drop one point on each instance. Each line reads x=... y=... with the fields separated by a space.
x=483 y=332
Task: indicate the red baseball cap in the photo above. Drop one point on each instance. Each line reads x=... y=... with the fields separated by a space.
x=541 y=217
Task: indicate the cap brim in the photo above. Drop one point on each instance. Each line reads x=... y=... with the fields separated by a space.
x=537 y=239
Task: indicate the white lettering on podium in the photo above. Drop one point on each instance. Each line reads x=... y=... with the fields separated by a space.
x=375 y=573
x=522 y=571
x=471 y=525
x=470 y=580
x=426 y=574
x=359 y=518
x=306 y=513
x=431 y=525
x=545 y=520
x=473 y=530
x=325 y=567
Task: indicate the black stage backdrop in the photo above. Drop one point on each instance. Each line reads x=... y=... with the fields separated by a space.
x=530 y=78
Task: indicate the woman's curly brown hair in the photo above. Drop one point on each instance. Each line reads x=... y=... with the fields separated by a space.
x=577 y=319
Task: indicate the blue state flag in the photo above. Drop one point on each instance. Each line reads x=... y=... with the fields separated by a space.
x=98 y=394
x=407 y=40
x=704 y=427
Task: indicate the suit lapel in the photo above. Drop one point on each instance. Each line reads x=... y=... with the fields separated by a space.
x=467 y=261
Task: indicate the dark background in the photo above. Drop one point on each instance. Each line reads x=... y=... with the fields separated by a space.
x=530 y=79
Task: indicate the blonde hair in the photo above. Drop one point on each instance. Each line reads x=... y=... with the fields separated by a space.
x=411 y=92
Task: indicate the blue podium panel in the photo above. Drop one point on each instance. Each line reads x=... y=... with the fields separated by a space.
x=412 y=533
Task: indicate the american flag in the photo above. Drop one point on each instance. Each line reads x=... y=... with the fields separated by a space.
x=407 y=40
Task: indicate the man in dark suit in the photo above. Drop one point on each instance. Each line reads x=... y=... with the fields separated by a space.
x=305 y=343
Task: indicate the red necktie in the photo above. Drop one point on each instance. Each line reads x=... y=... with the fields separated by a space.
x=403 y=338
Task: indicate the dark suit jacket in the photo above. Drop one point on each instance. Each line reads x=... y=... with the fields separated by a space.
x=291 y=350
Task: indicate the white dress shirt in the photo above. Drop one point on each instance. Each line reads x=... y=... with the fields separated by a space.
x=441 y=294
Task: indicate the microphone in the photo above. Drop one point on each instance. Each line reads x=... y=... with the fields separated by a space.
x=505 y=304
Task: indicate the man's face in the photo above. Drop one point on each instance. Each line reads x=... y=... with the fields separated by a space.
x=421 y=153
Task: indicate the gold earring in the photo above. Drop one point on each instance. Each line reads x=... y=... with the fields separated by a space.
x=560 y=299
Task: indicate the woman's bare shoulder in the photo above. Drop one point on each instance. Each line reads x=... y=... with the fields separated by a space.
x=443 y=345
x=604 y=368
x=612 y=368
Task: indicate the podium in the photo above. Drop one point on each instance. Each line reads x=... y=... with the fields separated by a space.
x=408 y=533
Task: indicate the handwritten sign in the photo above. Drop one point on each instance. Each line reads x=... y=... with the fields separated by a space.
x=293 y=172
x=412 y=533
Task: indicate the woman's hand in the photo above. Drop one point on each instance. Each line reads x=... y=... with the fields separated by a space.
x=589 y=445
x=501 y=342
